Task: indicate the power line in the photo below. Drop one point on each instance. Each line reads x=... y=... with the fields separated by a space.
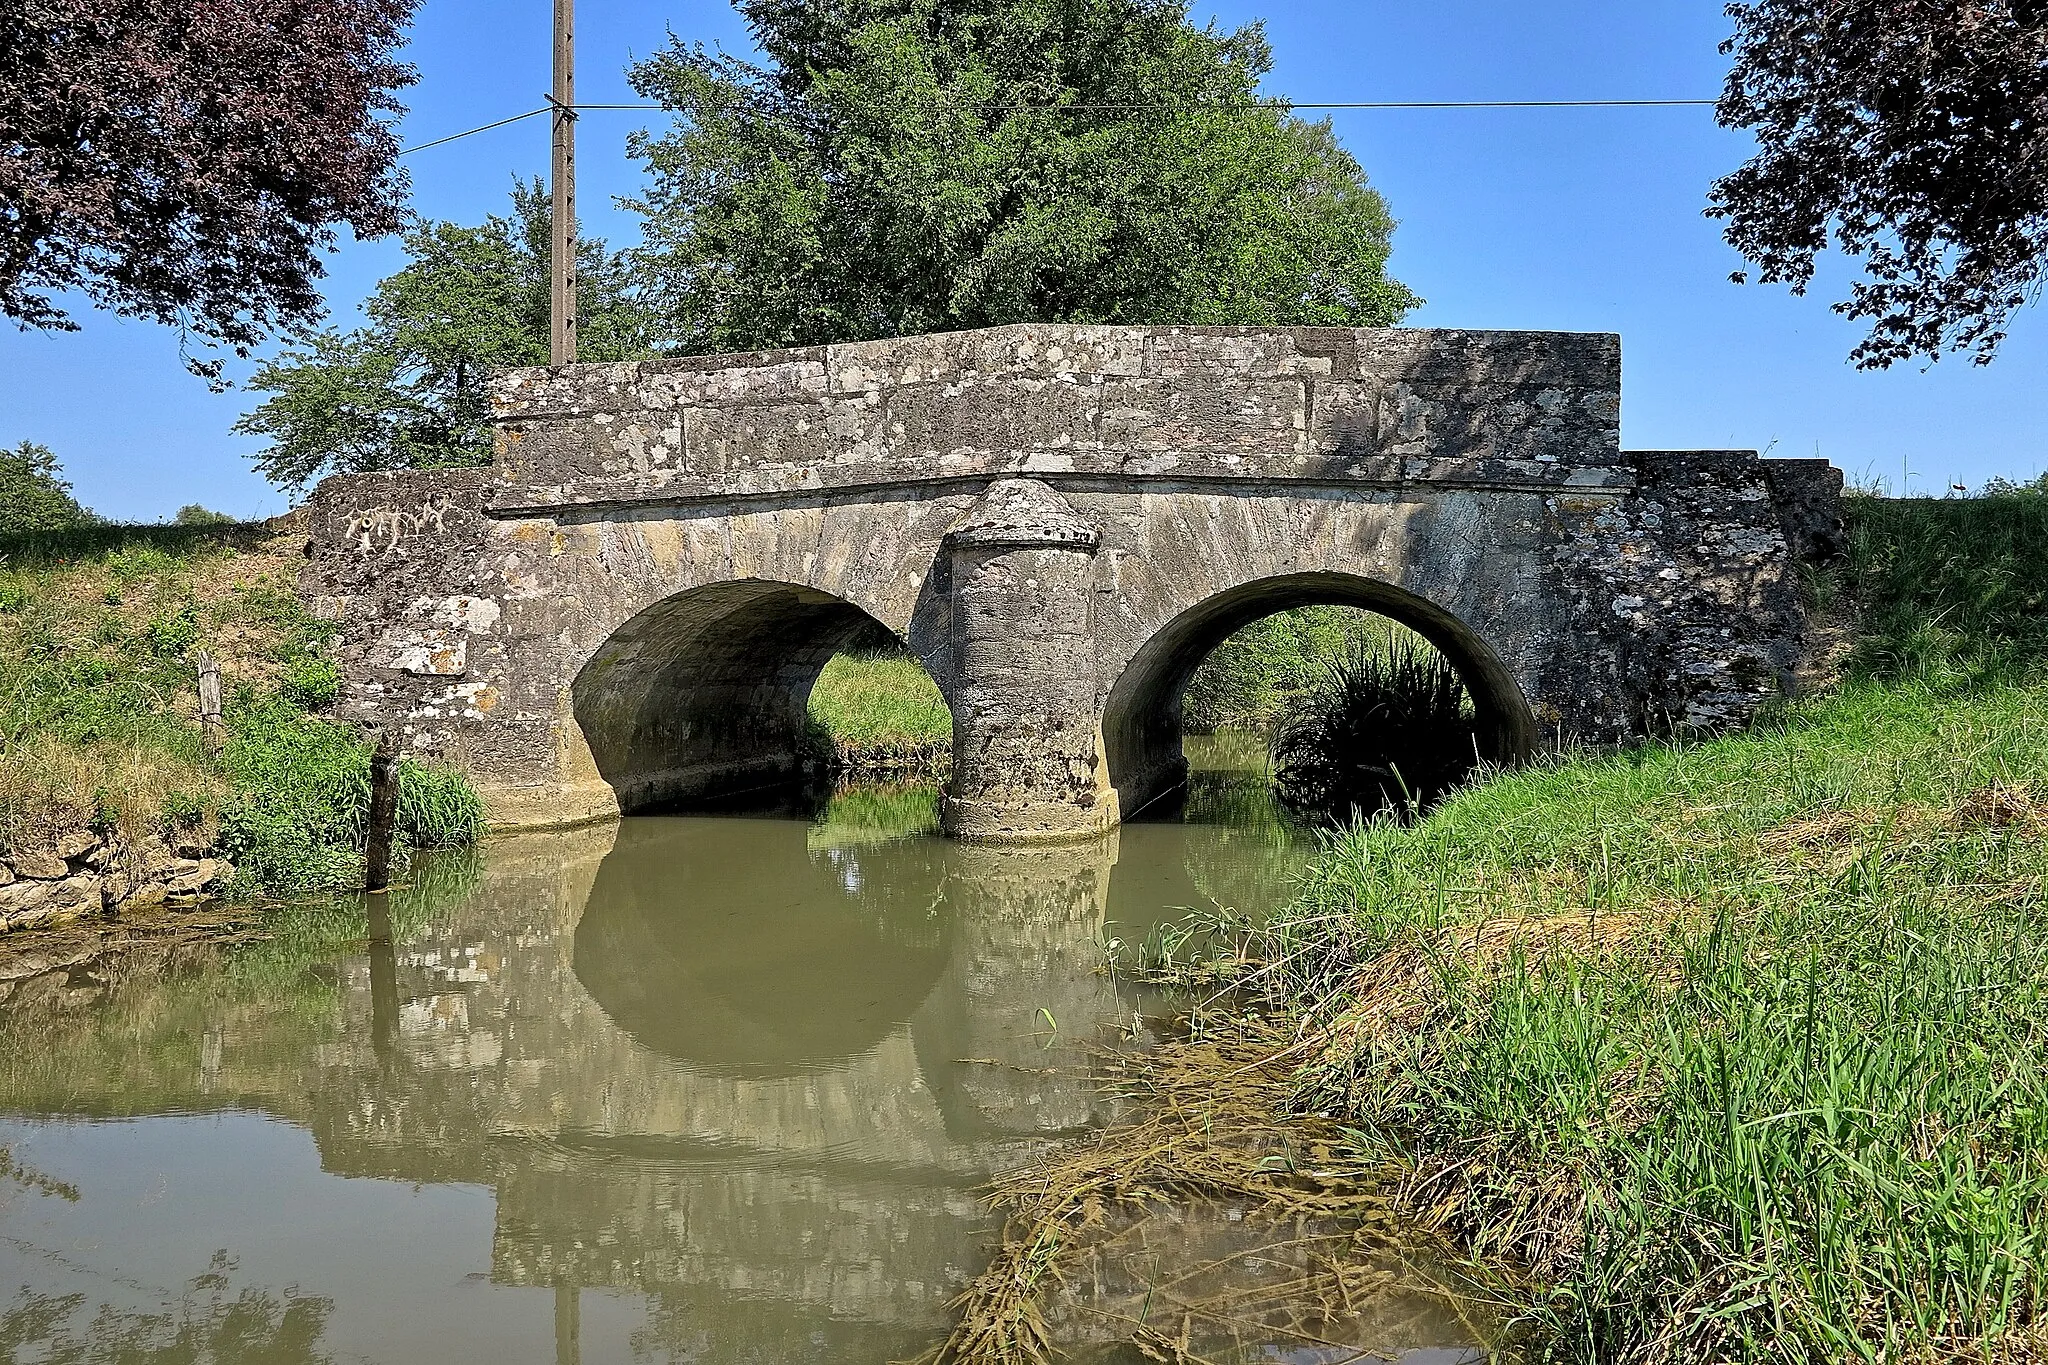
x=472 y=132
x=1173 y=109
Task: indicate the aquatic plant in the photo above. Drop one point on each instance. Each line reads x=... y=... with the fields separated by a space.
x=1381 y=729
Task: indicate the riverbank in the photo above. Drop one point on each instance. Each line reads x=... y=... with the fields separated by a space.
x=114 y=793
x=877 y=716
x=1707 y=1050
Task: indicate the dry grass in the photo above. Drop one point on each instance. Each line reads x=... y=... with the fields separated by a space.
x=1073 y=1264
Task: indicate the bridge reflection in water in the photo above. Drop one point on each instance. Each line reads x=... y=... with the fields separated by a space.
x=755 y=1069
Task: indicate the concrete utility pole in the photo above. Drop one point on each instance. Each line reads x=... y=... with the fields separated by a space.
x=562 y=313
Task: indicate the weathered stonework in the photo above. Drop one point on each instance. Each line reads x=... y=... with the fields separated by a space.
x=630 y=606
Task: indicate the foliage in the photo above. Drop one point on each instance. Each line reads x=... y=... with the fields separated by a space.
x=33 y=493
x=1383 y=729
x=903 y=168
x=192 y=514
x=1255 y=674
x=188 y=163
x=408 y=390
x=98 y=706
x=1907 y=133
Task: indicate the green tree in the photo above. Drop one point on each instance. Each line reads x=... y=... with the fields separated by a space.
x=194 y=514
x=34 y=495
x=409 y=388
x=902 y=166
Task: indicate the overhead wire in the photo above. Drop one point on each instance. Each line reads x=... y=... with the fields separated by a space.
x=1162 y=108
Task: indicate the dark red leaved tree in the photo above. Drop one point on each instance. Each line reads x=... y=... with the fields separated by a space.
x=187 y=161
x=1912 y=134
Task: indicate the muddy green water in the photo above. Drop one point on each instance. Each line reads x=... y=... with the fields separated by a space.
x=683 y=1089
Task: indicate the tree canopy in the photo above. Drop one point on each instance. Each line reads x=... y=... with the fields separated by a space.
x=903 y=166
x=187 y=163
x=33 y=493
x=408 y=388
x=1912 y=134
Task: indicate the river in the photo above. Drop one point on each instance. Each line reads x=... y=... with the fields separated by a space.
x=682 y=1088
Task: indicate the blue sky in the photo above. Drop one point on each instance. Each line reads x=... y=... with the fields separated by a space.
x=1567 y=219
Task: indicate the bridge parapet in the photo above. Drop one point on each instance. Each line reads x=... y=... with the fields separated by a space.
x=1370 y=407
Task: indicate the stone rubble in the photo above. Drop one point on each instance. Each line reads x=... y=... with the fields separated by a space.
x=82 y=873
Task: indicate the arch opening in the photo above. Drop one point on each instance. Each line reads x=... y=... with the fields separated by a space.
x=1144 y=718
x=702 y=700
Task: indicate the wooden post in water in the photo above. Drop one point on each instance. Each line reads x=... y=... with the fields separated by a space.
x=210 y=723
x=383 y=812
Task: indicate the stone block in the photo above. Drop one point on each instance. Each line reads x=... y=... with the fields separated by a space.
x=39 y=865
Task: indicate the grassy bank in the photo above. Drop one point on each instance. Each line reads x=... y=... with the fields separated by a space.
x=100 y=632
x=1721 y=1050
x=879 y=716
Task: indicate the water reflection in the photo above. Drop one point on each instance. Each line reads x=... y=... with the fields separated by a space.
x=732 y=1086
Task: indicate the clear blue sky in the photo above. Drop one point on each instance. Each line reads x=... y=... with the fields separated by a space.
x=1574 y=220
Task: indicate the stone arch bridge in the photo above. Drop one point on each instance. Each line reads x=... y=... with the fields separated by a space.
x=628 y=607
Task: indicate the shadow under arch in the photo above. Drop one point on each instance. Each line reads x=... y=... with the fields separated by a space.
x=1141 y=720
x=701 y=697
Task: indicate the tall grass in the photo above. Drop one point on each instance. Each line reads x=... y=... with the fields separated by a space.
x=1731 y=1050
x=1387 y=728
x=879 y=714
x=1948 y=585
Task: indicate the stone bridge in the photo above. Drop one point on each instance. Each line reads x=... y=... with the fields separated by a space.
x=628 y=607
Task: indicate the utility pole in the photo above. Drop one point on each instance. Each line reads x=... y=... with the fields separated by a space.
x=562 y=312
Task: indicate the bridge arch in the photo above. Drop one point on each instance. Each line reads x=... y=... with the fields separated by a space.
x=701 y=696
x=1141 y=719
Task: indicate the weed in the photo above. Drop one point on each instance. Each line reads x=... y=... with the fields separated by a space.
x=1381 y=729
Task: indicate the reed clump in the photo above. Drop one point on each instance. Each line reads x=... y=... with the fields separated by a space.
x=1381 y=728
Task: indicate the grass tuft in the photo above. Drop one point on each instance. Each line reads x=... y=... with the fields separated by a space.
x=1387 y=728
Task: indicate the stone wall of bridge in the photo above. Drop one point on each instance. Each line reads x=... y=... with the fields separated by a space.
x=628 y=608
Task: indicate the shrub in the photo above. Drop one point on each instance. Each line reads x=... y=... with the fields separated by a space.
x=1379 y=730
